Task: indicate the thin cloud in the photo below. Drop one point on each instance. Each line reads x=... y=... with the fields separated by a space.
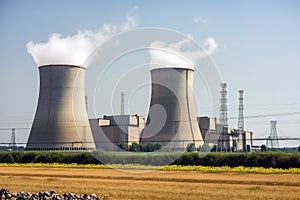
x=199 y=20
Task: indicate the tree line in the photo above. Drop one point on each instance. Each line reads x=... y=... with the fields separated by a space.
x=258 y=159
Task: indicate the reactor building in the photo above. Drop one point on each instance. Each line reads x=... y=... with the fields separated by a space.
x=61 y=121
x=111 y=131
x=171 y=117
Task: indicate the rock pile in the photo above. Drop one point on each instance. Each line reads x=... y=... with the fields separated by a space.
x=52 y=195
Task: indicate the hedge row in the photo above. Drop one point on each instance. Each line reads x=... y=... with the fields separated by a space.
x=48 y=157
x=268 y=159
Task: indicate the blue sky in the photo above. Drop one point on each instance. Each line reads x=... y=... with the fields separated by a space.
x=258 y=51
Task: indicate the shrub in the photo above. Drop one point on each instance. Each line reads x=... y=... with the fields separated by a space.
x=258 y=159
x=191 y=147
x=28 y=157
x=135 y=147
x=42 y=158
x=124 y=146
x=8 y=158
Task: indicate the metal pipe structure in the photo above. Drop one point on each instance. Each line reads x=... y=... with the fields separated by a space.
x=171 y=119
x=61 y=121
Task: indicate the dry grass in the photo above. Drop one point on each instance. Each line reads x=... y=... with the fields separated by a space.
x=152 y=185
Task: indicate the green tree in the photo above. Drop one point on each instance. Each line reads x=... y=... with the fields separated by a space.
x=124 y=146
x=214 y=149
x=135 y=147
x=157 y=146
x=191 y=147
x=263 y=148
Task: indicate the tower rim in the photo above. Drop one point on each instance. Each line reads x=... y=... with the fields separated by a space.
x=175 y=68
x=61 y=65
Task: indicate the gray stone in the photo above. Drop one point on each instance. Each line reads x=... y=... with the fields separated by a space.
x=47 y=194
x=57 y=198
x=6 y=195
x=14 y=194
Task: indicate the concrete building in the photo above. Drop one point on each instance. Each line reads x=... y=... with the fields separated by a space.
x=208 y=128
x=207 y=125
x=171 y=118
x=61 y=121
x=230 y=139
x=241 y=142
x=110 y=131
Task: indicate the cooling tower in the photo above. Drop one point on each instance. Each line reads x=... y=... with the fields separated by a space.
x=61 y=121
x=171 y=119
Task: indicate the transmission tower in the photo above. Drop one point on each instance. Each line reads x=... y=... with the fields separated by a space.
x=223 y=106
x=122 y=103
x=13 y=138
x=241 y=110
x=272 y=141
x=241 y=120
x=223 y=122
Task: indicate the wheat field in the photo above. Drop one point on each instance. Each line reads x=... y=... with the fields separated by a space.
x=141 y=184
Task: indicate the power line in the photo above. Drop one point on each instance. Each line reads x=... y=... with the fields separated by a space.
x=268 y=115
x=275 y=104
x=279 y=138
x=6 y=129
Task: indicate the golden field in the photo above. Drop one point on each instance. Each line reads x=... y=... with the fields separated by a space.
x=142 y=184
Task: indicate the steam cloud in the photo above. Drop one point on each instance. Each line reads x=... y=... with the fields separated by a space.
x=181 y=54
x=75 y=49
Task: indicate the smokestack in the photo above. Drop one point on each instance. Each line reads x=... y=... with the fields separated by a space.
x=61 y=121
x=171 y=119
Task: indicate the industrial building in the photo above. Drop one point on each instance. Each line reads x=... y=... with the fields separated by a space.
x=207 y=125
x=229 y=139
x=171 y=117
x=220 y=135
x=208 y=128
x=241 y=141
x=61 y=121
x=110 y=131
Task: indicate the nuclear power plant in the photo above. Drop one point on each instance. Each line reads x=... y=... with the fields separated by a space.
x=172 y=103
x=61 y=121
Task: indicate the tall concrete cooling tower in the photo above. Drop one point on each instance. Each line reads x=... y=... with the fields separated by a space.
x=61 y=121
x=171 y=119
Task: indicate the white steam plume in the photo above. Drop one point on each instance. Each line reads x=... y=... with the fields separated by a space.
x=75 y=49
x=181 y=54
